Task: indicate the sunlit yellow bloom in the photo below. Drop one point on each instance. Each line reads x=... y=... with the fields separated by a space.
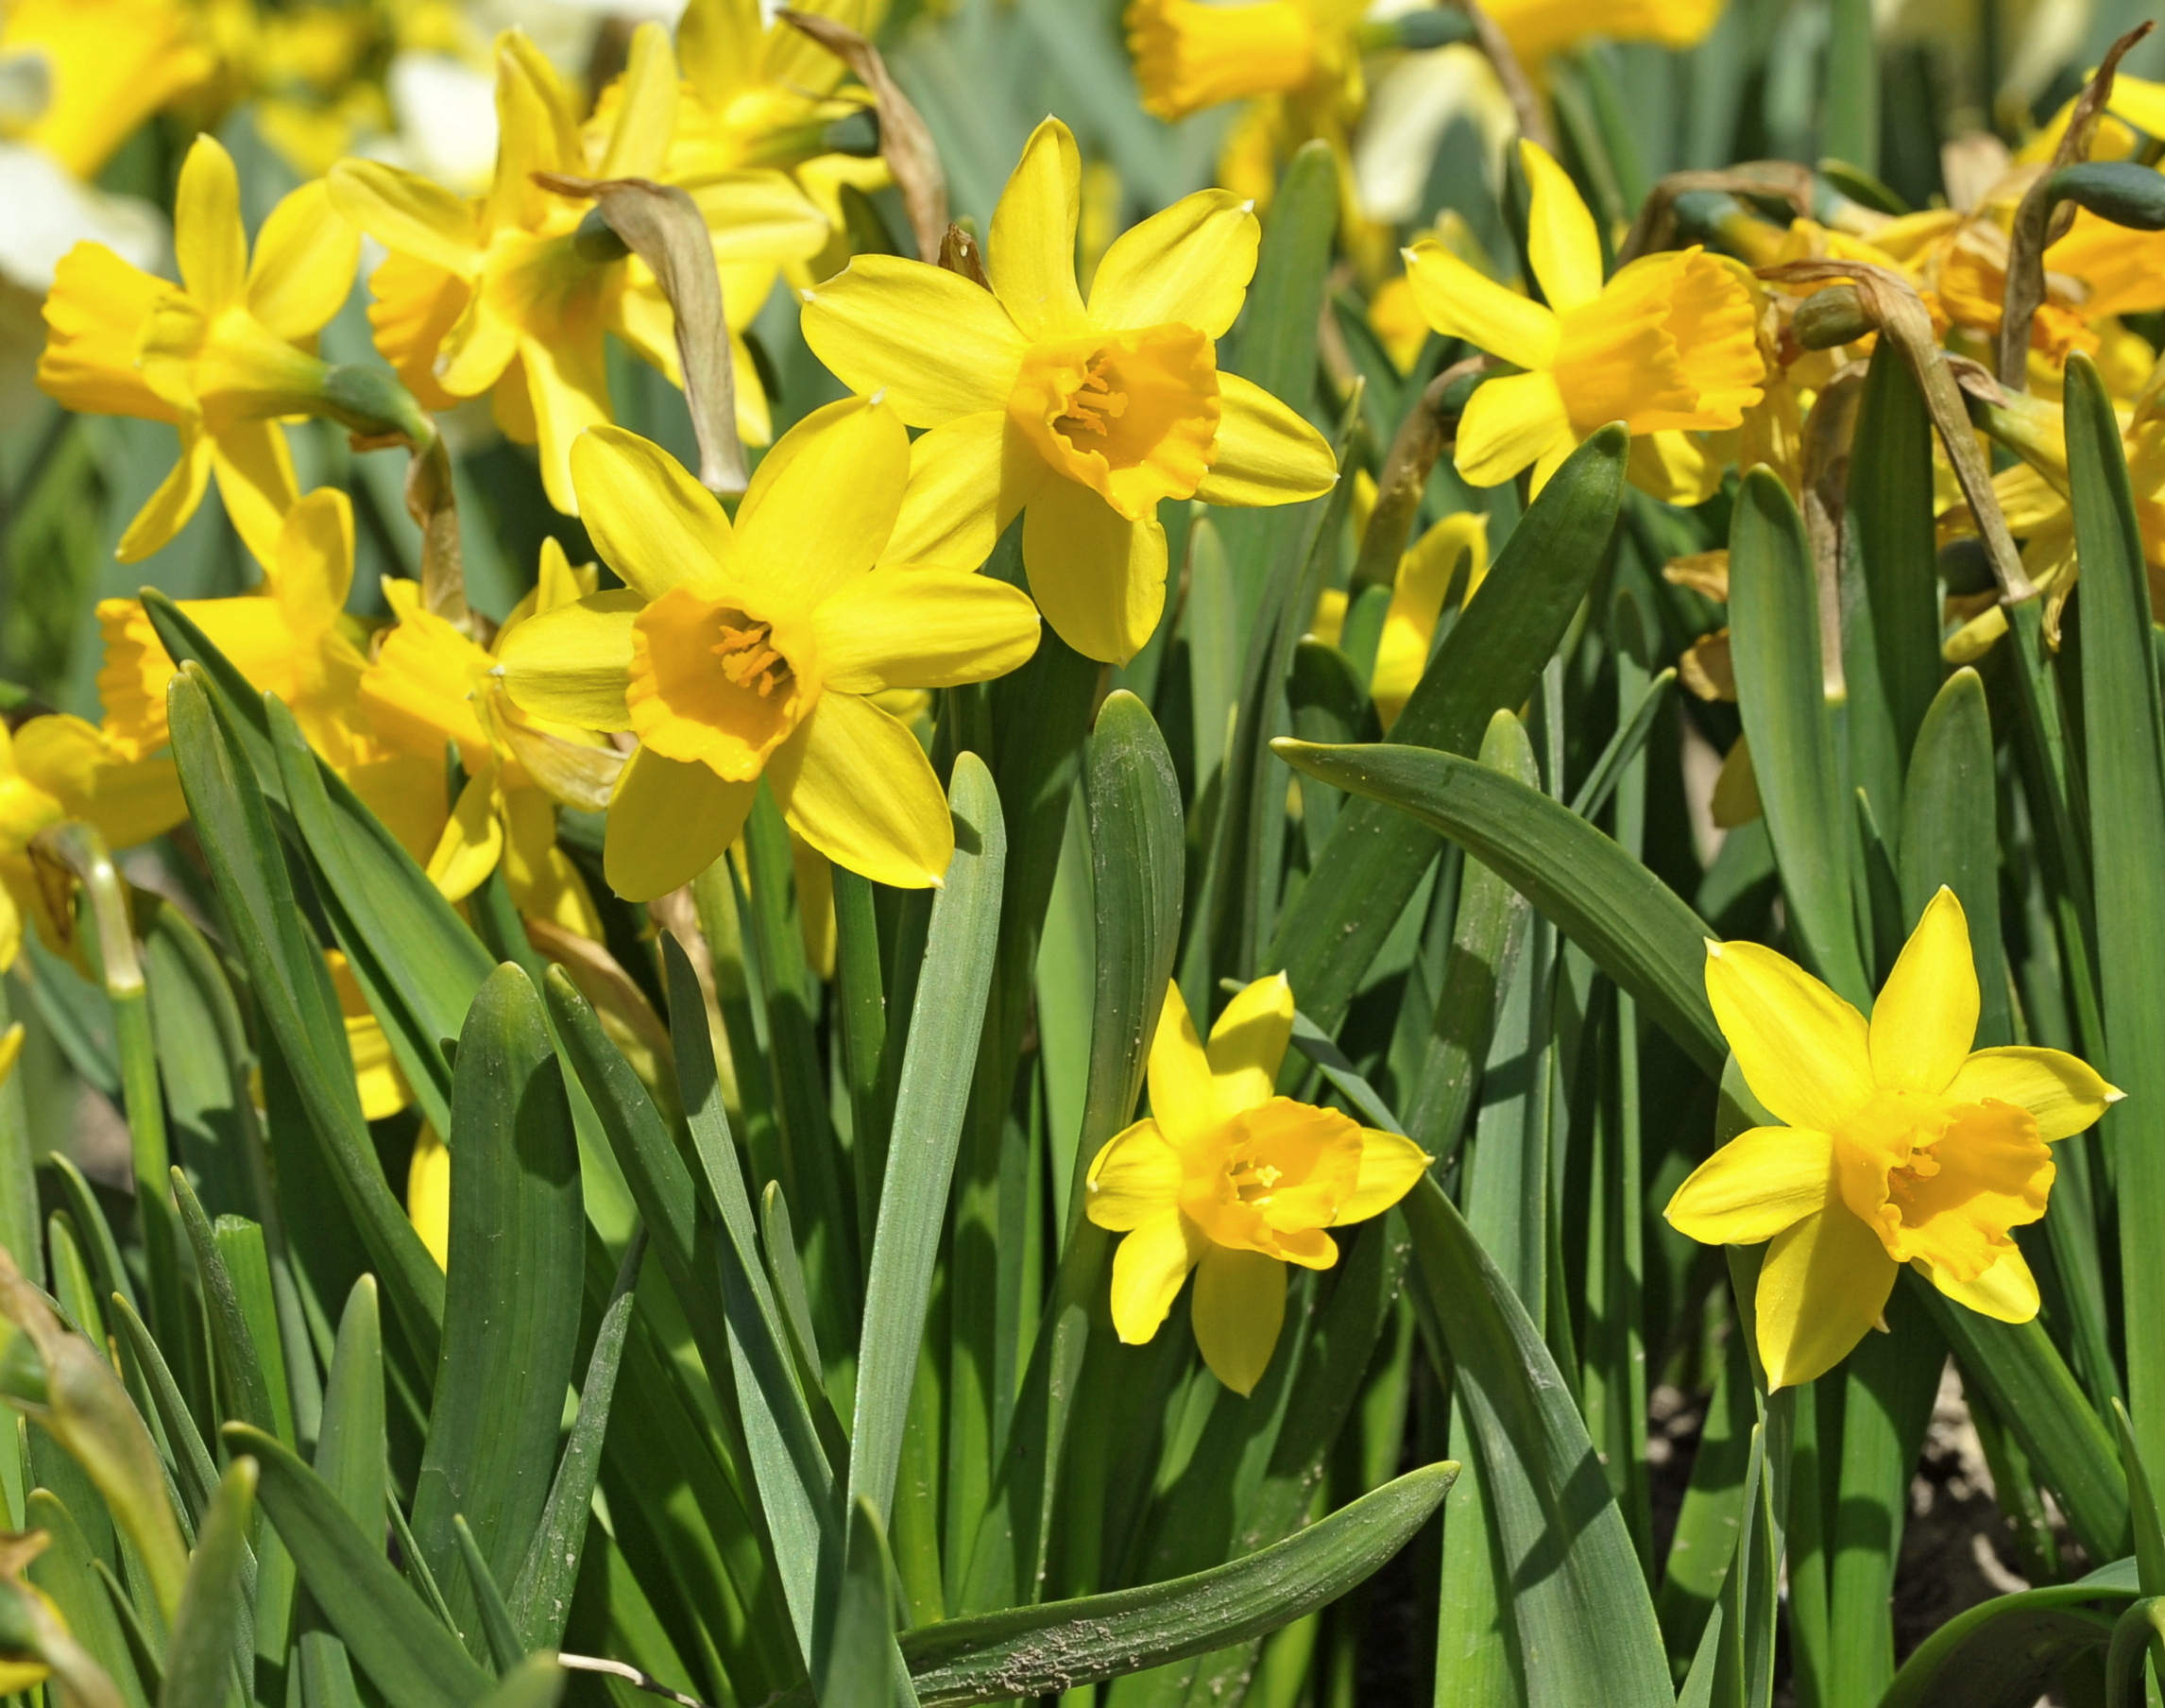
x=1189 y=55
x=1083 y=418
x=110 y=64
x=744 y=652
x=1417 y=605
x=1667 y=344
x=376 y=1075
x=502 y=295
x=1228 y=1179
x=285 y=637
x=430 y=685
x=221 y=355
x=429 y=1191
x=56 y=768
x=1538 y=28
x=1901 y=1144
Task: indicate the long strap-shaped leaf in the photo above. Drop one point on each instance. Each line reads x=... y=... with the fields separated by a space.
x=412 y=1659
x=199 y=1653
x=1585 y=1623
x=2001 y=1653
x=1633 y=926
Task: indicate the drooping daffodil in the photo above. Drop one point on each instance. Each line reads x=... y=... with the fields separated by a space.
x=512 y=294
x=55 y=768
x=744 y=652
x=221 y=357
x=1083 y=417
x=429 y=684
x=1228 y=1179
x=1667 y=345
x=1900 y=1144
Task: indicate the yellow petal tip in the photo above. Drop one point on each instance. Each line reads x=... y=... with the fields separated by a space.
x=1713 y=950
x=2113 y=1094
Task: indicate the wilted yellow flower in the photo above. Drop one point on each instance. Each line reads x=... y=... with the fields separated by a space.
x=429 y=684
x=1901 y=1144
x=110 y=64
x=55 y=768
x=512 y=293
x=1668 y=344
x=737 y=652
x=1225 y=1178
x=1083 y=418
x=1417 y=605
x=221 y=357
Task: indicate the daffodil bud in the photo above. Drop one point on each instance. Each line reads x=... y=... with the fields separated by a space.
x=1831 y=317
x=2125 y=191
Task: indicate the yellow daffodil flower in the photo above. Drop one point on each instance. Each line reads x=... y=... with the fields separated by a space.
x=55 y=768
x=1538 y=28
x=429 y=684
x=1082 y=417
x=744 y=652
x=1189 y=56
x=1228 y=1179
x=503 y=295
x=1417 y=605
x=1669 y=344
x=1901 y=1144
x=376 y=1075
x=110 y=65
x=221 y=357
x=429 y=1193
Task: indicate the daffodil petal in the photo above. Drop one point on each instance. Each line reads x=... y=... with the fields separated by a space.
x=208 y=238
x=669 y=821
x=1134 y=1178
x=1189 y=263
x=256 y=481
x=302 y=271
x=1029 y=257
x=821 y=507
x=407 y=213
x=472 y=843
x=1391 y=1164
x=1239 y=1307
x=1508 y=424
x=1264 y=453
x=646 y=107
x=866 y=796
x=572 y=664
x=1926 y=1016
x=10 y=930
x=427 y=1193
x=166 y=511
x=1561 y=241
x=652 y=523
x=2064 y=1095
x=2007 y=1291
x=1461 y=303
x=1803 y=1051
x=567 y=380
x=1148 y=1269
x=937 y=345
x=967 y=481
x=1822 y=1288
x=1755 y=1186
x=1183 y=1093
x=1099 y=578
x=1248 y=1042
x=923 y=628
x=312 y=568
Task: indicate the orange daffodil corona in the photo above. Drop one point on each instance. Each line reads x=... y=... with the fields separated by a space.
x=749 y=651
x=1901 y=1144
x=1081 y=415
x=1229 y=1180
x=1669 y=345
x=221 y=355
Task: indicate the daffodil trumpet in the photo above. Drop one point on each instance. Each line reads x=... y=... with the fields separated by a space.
x=1233 y=1182
x=1898 y=1143
x=746 y=654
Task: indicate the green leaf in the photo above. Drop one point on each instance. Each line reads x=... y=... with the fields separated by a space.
x=407 y=1654
x=293 y=992
x=194 y=1472
x=1782 y=689
x=516 y=1263
x=1703 y=1551
x=1950 y=835
x=64 y=1572
x=350 y=1453
x=856 y=1665
x=199 y=1653
x=2127 y=749
x=2002 y=1653
x=537 y=1681
x=1629 y=923
x=504 y=1645
x=1585 y=1626
x=1491 y=661
x=1061 y=1645
x=937 y=1070
x=248 y=1392
x=1277 y=345
x=2143 y=1509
